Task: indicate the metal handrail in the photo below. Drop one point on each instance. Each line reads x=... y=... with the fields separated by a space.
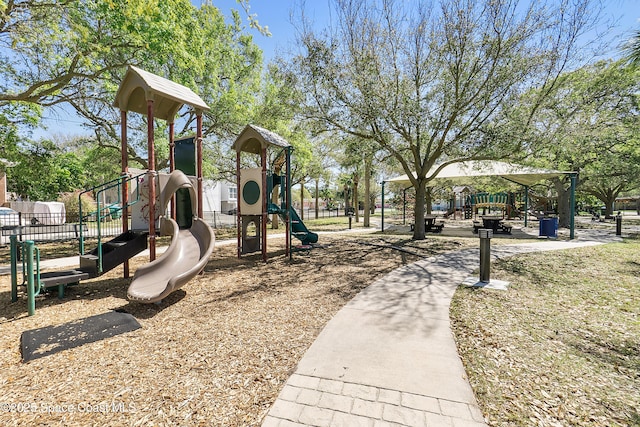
x=119 y=182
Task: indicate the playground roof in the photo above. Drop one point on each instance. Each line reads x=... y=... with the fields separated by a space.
x=461 y=171
x=253 y=139
x=139 y=86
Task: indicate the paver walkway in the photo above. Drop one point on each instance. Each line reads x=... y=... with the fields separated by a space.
x=388 y=357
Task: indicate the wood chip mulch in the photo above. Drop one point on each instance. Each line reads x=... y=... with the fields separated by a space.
x=217 y=352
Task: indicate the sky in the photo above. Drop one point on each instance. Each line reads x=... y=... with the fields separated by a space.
x=276 y=15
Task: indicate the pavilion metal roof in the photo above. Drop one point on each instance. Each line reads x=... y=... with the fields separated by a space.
x=461 y=172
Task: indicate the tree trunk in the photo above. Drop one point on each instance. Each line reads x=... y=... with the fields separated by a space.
x=608 y=208
x=564 y=211
x=367 y=191
x=317 y=197
x=346 y=199
x=418 y=212
x=302 y=201
x=355 y=200
x=428 y=199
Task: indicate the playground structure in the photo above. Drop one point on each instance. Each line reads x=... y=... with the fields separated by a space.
x=505 y=202
x=511 y=205
x=255 y=190
x=467 y=204
x=192 y=239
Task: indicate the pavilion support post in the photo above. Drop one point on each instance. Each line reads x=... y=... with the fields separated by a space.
x=124 y=162
x=526 y=204
x=199 y=160
x=152 y=181
x=572 y=207
x=382 y=210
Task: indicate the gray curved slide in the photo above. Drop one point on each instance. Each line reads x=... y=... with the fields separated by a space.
x=185 y=257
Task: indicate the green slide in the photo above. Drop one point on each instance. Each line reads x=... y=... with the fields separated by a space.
x=298 y=229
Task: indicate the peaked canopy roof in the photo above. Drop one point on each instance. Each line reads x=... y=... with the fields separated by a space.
x=139 y=86
x=462 y=171
x=253 y=139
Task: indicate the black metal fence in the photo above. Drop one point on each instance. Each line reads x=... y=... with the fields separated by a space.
x=47 y=227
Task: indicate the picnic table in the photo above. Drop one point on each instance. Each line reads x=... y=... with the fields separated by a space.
x=431 y=224
x=493 y=222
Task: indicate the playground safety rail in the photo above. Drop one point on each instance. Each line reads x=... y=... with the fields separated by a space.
x=110 y=210
x=29 y=273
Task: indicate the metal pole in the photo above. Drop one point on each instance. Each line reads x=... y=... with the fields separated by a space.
x=287 y=202
x=31 y=292
x=526 y=204
x=199 y=162
x=172 y=166
x=152 y=181
x=125 y=184
x=485 y=254
x=382 y=209
x=14 y=267
x=238 y=213
x=572 y=207
x=263 y=161
x=618 y=224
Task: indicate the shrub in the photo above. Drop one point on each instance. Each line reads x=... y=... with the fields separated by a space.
x=71 y=205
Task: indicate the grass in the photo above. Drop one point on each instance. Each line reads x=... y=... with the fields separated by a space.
x=562 y=345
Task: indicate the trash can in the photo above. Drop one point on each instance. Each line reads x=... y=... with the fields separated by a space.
x=115 y=211
x=548 y=227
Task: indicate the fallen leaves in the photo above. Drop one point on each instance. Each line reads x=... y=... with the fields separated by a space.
x=561 y=346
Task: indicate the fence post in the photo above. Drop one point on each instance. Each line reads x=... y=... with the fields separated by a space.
x=14 y=267
x=31 y=292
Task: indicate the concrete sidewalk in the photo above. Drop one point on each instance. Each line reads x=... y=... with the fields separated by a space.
x=388 y=357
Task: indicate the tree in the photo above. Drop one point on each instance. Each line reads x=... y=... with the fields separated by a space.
x=591 y=125
x=358 y=155
x=43 y=172
x=99 y=164
x=76 y=51
x=435 y=85
x=633 y=50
